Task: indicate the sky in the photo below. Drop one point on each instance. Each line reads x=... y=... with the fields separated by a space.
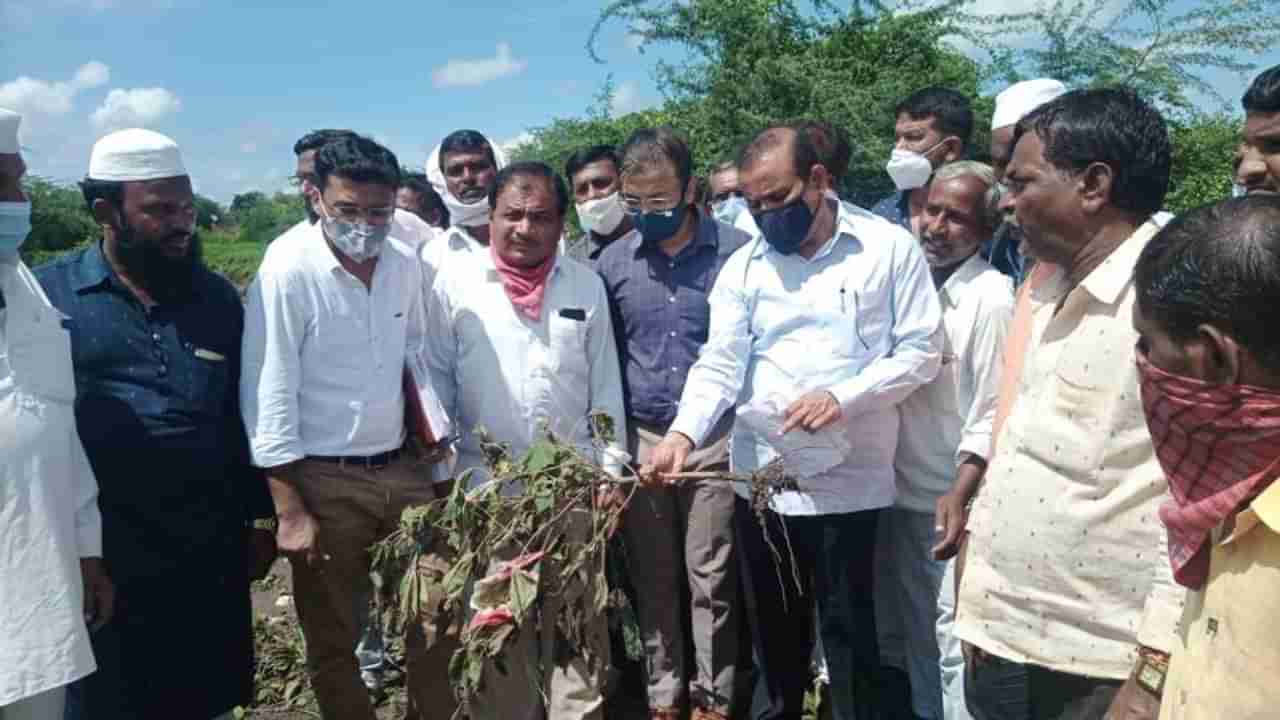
x=235 y=83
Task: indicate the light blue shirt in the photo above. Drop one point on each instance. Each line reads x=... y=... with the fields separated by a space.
x=860 y=319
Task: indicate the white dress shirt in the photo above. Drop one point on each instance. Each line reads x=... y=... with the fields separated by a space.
x=455 y=242
x=48 y=498
x=1067 y=565
x=494 y=368
x=952 y=415
x=323 y=354
x=860 y=319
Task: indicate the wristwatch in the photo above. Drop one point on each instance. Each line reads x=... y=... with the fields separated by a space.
x=268 y=524
x=1151 y=671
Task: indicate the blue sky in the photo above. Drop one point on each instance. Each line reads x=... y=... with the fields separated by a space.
x=236 y=82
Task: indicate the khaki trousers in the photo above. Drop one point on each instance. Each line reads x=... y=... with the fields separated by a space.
x=354 y=508
x=542 y=679
x=47 y=705
x=676 y=538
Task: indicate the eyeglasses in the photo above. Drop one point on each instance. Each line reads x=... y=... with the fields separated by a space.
x=354 y=213
x=657 y=206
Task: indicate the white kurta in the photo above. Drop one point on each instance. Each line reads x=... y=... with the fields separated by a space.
x=48 y=498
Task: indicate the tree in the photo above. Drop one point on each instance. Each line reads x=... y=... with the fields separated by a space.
x=1203 y=161
x=245 y=202
x=208 y=212
x=59 y=219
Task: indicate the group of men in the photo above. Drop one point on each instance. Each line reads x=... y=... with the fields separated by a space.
x=1054 y=506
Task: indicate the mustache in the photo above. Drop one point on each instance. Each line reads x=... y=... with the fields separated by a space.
x=471 y=194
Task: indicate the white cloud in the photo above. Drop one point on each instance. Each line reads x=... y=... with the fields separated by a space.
x=248 y=147
x=627 y=99
x=478 y=71
x=28 y=95
x=633 y=41
x=509 y=145
x=134 y=107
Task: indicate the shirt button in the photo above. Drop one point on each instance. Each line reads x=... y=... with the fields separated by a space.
x=675 y=369
x=671 y=299
x=673 y=333
x=163 y=370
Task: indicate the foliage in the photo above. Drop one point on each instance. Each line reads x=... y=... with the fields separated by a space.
x=534 y=530
x=59 y=220
x=754 y=62
x=263 y=219
x=237 y=261
x=1203 y=161
x=280 y=671
x=208 y=212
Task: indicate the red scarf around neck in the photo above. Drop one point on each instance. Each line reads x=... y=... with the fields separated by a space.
x=525 y=286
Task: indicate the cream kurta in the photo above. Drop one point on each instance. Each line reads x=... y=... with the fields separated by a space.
x=1067 y=564
x=48 y=498
x=1227 y=660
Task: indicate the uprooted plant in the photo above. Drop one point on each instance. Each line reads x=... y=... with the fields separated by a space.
x=479 y=559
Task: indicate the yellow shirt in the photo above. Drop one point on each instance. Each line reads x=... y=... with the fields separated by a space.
x=1067 y=564
x=1227 y=661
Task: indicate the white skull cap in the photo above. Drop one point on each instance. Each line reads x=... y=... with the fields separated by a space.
x=133 y=155
x=1019 y=99
x=9 y=122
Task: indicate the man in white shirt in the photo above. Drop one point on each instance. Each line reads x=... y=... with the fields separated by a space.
x=331 y=318
x=945 y=432
x=830 y=312
x=1066 y=567
x=518 y=344
x=51 y=558
x=461 y=168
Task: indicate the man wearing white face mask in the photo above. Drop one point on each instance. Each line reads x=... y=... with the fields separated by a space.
x=51 y=561
x=333 y=316
x=932 y=128
x=593 y=178
x=460 y=168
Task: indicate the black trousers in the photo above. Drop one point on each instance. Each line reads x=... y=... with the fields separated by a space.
x=833 y=557
x=999 y=689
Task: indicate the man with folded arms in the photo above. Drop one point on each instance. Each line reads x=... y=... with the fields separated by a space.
x=335 y=312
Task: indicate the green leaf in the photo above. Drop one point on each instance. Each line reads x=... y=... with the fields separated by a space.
x=523 y=593
x=540 y=457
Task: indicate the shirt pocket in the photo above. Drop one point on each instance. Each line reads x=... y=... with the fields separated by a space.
x=567 y=346
x=40 y=357
x=208 y=376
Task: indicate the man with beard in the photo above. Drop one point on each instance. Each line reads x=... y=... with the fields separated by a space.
x=1258 y=159
x=155 y=340
x=945 y=436
x=460 y=169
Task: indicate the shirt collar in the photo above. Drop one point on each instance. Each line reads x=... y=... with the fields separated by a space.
x=1108 y=280
x=955 y=285
x=91 y=270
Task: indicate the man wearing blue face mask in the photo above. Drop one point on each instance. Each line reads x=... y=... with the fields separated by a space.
x=55 y=586
x=833 y=312
x=658 y=280
x=331 y=320
x=932 y=127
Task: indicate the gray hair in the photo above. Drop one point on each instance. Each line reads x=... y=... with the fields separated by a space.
x=990 y=210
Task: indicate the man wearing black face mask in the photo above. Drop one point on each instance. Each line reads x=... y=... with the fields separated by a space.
x=657 y=281
x=831 y=318
x=155 y=340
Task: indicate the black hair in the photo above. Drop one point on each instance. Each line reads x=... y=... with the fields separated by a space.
x=585 y=156
x=831 y=143
x=431 y=200
x=1263 y=94
x=358 y=159
x=467 y=141
x=110 y=190
x=803 y=154
x=317 y=139
x=530 y=169
x=951 y=111
x=1217 y=265
x=649 y=146
x=1112 y=126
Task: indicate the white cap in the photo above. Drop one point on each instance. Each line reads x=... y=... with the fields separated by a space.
x=133 y=155
x=9 y=122
x=1019 y=99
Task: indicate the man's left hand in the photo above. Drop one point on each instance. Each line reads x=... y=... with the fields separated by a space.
x=99 y=593
x=1133 y=702
x=812 y=412
x=262 y=552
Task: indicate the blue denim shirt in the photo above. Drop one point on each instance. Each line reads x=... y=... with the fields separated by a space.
x=660 y=312
x=157 y=408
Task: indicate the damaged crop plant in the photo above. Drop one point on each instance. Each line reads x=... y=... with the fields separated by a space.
x=478 y=561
